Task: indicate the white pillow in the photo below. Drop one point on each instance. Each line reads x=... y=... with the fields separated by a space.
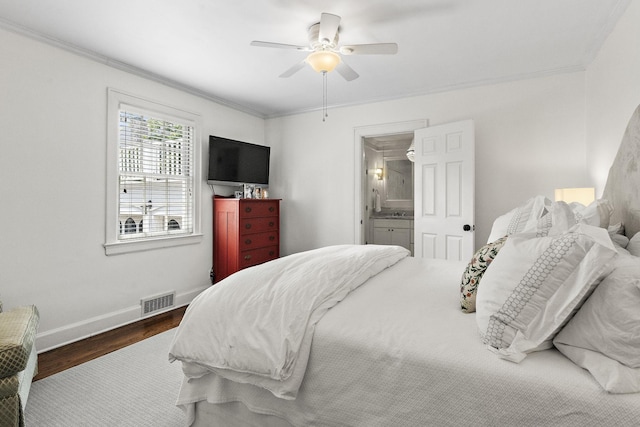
x=535 y=286
x=619 y=240
x=616 y=232
x=604 y=335
x=616 y=228
x=634 y=245
x=558 y=219
x=597 y=213
x=523 y=218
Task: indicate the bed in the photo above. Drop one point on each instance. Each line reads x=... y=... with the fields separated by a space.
x=386 y=339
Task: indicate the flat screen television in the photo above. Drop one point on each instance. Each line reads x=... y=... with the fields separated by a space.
x=234 y=162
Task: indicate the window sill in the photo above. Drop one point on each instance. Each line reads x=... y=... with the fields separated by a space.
x=117 y=248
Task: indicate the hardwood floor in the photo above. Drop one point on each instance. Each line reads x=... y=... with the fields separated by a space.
x=68 y=356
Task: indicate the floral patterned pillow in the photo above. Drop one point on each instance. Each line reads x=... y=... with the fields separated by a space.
x=474 y=271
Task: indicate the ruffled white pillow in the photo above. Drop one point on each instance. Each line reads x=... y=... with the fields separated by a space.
x=558 y=219
x=598 y=213
x=536 y=284
x=521 y=219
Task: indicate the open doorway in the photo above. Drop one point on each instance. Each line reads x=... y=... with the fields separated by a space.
x=444 y=176
x=401 y=131
x=389 y=185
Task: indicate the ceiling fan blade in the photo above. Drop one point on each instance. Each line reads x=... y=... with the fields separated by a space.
x=279 y=45
x=346 y=71
x=291 y=71
x=370 y=49
x=328 y=27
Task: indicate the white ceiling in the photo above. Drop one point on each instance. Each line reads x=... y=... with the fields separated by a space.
x=203 y=45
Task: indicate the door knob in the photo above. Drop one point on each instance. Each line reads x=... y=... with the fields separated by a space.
x=467 y=227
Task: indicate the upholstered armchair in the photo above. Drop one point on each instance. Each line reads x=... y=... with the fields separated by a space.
x=18 y=361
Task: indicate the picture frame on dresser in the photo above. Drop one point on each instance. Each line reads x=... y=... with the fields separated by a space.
x=249 y=190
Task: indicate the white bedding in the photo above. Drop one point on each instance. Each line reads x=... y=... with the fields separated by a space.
x=398 y=351
x=256 y=326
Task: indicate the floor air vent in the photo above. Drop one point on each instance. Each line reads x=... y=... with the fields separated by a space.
x=160 y=302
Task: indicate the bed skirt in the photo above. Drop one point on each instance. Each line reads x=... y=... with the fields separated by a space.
x=233 y=414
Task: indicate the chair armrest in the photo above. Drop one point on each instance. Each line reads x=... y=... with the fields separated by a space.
x=18 y=329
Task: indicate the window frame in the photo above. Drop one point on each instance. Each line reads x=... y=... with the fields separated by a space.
x=113 y=245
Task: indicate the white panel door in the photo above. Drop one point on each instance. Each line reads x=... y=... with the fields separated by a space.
x=444 y=191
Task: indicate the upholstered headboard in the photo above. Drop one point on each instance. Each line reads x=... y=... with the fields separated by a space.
x=623 y=183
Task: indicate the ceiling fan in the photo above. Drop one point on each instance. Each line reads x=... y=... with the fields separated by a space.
x=325 y=52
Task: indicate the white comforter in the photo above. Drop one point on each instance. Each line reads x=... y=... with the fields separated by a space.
x=256 y=326
x=398 y=351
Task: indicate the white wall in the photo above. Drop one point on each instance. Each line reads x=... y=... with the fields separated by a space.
x=530 y=139
x=53 y=126
x=613 y=93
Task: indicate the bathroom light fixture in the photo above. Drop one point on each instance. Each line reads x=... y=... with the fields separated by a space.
x=581 y=195
x=411 y=151
x=378 y=173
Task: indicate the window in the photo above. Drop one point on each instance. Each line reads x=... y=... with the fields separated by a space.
x=152 y=180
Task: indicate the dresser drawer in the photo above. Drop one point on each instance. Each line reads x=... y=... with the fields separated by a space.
x=252 y=209
x=258 y=240
x=258 y=225
x=258 y=256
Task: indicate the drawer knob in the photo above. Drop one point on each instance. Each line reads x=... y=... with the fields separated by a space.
x=247 y=226
x=272 y=238
x=247 y=209
x=247 y=242
x=271 y=209
x=247 y=257
x=271 y=223
x=272 y=253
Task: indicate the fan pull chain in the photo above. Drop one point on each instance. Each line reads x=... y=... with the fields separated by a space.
x=324 y=96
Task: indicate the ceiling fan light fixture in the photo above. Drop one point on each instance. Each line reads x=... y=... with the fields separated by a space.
x=323 y=61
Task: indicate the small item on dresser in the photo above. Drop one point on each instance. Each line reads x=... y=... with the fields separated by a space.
x=265 y=193
x=257 y=194
x=249 y=189
x=238 y=194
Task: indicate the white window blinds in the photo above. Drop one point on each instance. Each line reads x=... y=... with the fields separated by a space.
x=155 y=175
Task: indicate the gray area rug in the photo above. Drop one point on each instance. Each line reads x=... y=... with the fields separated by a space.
x=134 y=386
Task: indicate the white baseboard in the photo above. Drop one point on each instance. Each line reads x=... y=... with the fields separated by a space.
x=68 y=334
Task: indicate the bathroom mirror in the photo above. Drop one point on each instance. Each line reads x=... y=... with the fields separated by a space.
x=398 y=179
